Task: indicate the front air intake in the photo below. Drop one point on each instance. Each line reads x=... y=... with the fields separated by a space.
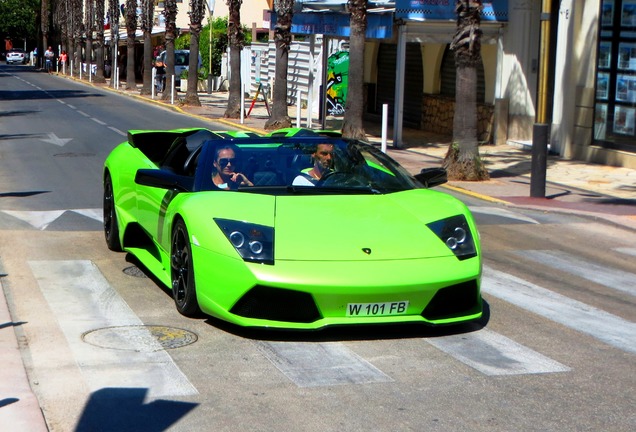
x=455 y=300
x=277 y=304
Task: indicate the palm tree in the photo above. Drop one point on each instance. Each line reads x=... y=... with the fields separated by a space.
x=45 y=11
x=131 y=28
x=462 y=160
x=353 y=126
x=89 y=20
x=99 y=41
x=78 y=32
x=235 y=41
x=197 y=12
x=282 y=37
x=170 y=12
x=113 y=12
x=147 y=12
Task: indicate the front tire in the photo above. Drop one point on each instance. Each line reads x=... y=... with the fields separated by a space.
x=111 y=228
x=182 y=272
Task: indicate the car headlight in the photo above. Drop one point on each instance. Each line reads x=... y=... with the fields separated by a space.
x=455 y=233
x=255 y=243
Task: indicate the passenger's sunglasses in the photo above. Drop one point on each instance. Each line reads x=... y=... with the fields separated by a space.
x=223 y=162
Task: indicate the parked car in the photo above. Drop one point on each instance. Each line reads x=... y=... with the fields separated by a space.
x=181 y=64
x=365 y=243
x=17 y=55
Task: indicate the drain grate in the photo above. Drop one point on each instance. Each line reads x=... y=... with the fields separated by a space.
x=72 y=155
x=140 y=338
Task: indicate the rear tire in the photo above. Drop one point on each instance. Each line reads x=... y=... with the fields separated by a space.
x=182 y=272
x=111 y=228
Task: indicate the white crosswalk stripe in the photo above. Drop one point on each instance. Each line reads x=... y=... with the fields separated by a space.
x=494 y=354
x=609 y=277
x=579 y=316
x=42 y=219
x=82 y=301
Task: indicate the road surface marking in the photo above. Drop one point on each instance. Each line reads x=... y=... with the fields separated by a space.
x=609 y=277
x=38 y=219
x=494 y=354
x=114 y=129
x=320 y=364
x=501 y=212
x=626 y=251
x=82 y=301
x=576 y=315
x=42 y=219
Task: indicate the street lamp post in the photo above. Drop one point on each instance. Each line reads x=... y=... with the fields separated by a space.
x=210 y=13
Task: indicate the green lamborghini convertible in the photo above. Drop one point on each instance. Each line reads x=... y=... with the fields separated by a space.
x=296 y=229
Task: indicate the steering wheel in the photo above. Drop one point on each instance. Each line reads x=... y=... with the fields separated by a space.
x=340 y=178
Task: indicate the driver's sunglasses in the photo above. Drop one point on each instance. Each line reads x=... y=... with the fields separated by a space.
x=223 y=162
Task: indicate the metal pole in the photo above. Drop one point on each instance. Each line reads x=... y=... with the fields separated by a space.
x=385 y=121
x=210 y=14
x=398 y=106
x=540 y=131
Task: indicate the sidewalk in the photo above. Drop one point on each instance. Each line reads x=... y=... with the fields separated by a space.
x=599 y=191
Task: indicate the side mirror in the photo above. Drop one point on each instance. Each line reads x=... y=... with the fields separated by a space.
x=163 y=179
x=431 y=177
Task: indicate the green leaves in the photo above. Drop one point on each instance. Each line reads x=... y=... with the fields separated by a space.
x=18 y=17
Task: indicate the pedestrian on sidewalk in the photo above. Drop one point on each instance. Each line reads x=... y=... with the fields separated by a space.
x=49 y=55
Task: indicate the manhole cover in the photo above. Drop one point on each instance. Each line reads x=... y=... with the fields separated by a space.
x=135 y=272
x=140 y=338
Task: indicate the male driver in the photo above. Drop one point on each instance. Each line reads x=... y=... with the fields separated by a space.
x=323 y=158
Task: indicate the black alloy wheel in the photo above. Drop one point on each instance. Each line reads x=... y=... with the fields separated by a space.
x=111 y=229
x=182 y=272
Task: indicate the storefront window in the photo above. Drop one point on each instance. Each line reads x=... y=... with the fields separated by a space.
x=615 y=110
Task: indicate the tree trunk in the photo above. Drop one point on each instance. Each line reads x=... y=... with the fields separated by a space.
x=197 y=9
x=462 y=160
x=235 y=41
x=99 y=51
x=131 y=28
x=170 y=13
x=282 y=36
x=147 y=12
x=353 y=126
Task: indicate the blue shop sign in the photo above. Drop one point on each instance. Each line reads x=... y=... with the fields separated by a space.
x=421 y=10
x=379 y=26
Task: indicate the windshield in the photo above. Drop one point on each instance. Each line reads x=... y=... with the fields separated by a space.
x=316 y=165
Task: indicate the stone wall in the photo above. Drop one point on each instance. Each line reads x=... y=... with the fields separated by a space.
x=438 y=112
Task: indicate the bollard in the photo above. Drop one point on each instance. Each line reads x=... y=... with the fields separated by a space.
x=539 y=160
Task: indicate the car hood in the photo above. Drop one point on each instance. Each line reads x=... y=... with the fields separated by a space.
x=361 y=227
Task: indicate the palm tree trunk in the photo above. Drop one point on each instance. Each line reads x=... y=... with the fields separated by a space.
x=235 y=41
x=131 y=28
x=282 y=37
x=353 y=126
x=462 y=160
x=197 y=9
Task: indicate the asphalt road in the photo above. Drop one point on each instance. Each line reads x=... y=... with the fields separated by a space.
x=106 y=350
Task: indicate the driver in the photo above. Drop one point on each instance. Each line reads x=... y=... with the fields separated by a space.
x=224 y=176
x=323 y=160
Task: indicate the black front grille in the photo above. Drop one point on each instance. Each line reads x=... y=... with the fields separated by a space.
x=454 y=301
x=277 y=305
